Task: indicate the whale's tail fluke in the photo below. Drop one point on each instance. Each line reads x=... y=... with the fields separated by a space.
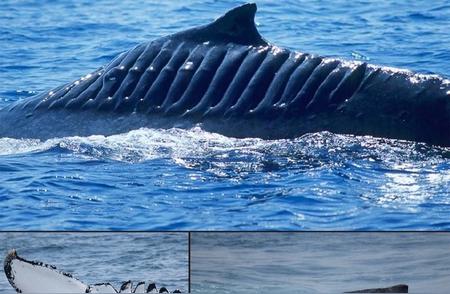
x=37 y=277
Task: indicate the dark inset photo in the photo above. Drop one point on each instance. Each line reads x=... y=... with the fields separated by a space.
x=94 y=263
x=316 y=262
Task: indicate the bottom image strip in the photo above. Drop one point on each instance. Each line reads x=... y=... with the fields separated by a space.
x=94 y=262
x=225 y=262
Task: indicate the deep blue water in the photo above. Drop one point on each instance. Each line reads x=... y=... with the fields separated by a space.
x=178 y=179
x=318 y=263
x=108 y=257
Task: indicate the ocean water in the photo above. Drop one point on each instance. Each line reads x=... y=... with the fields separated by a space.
x=318 y=263
x=152 y=179
x=105 y=257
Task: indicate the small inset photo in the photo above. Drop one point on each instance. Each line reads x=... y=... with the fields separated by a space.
x=320 y=262
x=94 y=263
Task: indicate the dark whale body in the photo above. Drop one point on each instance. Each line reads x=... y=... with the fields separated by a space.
x=227 y=78
x=402 y=288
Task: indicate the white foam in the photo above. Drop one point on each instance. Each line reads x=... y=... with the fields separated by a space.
x=137 y=145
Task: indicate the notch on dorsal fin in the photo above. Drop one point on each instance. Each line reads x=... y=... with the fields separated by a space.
x=237 y=26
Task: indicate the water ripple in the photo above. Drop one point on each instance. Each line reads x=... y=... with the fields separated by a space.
x=190 y=179
x=319 y=180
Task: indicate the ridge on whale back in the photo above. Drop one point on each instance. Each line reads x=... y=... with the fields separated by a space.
x=227 y=78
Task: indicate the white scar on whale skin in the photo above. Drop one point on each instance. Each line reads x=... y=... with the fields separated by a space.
x=36 y=277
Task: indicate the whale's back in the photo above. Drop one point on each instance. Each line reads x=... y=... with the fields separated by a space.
x=227 y=77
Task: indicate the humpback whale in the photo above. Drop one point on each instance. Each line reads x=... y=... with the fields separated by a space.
x=37 y=277
x=226 y=78
x=401 y=288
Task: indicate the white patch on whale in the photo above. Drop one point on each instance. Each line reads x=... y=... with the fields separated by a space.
x=35 y=277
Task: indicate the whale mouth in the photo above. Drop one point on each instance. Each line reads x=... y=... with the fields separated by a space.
x=36 y=277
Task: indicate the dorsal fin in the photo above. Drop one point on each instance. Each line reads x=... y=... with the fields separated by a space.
x=237 y=26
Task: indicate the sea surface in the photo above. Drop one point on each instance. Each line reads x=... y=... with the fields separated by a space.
x=318 y=263
x=150 y=179
x=105 y=257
